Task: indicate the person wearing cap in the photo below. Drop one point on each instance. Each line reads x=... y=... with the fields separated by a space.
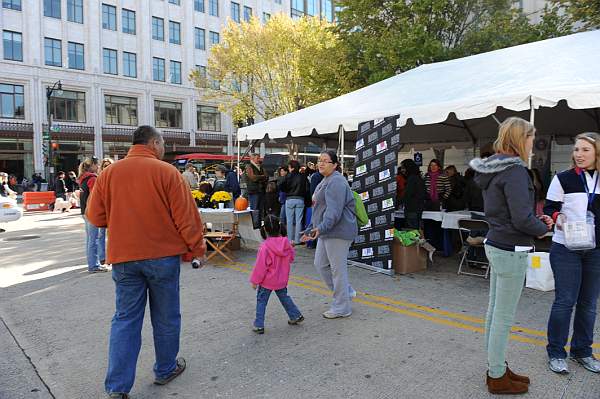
x=256 y=180
x=190 y=176
x=150 y=224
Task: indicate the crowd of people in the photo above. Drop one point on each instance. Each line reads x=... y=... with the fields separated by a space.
x=314 y=203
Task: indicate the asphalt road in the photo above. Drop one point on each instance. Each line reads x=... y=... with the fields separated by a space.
x=415 y=336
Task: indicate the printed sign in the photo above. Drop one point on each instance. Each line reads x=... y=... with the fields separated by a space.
x=375 y=181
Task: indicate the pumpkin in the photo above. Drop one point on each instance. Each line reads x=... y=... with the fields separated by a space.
x=241 y=204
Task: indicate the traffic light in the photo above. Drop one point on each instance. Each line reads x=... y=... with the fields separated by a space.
x=54 y=146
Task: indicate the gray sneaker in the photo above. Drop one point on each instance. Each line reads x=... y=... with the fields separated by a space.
x=589 y=363
x=330 y=315
x=558 y=366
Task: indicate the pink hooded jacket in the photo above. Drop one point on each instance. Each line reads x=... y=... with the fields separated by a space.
x=272 y=267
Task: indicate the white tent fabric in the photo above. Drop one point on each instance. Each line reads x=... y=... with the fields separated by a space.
x=537 y=74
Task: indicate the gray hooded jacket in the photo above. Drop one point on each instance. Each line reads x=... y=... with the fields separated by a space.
x=508 y=198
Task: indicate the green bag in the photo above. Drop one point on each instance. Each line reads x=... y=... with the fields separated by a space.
x=362 y=218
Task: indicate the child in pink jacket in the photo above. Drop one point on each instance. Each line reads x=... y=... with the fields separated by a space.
x=271 y=273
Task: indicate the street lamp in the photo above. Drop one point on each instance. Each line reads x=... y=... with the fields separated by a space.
x=57 y=86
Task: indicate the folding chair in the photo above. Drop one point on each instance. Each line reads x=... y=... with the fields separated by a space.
x=223 y=231
x=465 y=226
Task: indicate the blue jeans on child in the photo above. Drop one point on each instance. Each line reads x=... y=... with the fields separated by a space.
x=95 y=246
x=262 y=298
x=577 y=281
x=157 y=279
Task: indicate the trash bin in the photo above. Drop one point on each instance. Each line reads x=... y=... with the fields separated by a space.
x=408 y=259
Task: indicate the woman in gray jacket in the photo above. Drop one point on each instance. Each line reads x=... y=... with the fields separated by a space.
x=334 y=223
x=508 y=202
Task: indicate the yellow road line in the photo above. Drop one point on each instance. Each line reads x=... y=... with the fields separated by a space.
x=370 y=300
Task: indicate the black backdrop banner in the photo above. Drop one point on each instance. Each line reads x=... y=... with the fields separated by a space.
x=375 y=180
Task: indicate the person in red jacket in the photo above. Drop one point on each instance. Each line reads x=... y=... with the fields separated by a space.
x=152 y=220
x=271 y=273
x=95 y=236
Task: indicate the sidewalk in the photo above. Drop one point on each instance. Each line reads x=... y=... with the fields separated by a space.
x=415 y=336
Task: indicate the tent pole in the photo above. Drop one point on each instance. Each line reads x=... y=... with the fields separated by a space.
x=237 y=173
x=532 y=121
x=341 y=134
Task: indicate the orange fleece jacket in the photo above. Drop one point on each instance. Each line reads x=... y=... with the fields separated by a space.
x=147 y=208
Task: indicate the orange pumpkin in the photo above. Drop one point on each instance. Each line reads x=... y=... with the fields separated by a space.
x=241 y=204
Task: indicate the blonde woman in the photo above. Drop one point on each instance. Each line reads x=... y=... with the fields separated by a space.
x=106 y=162
x=572 y=194
x=96 y=236
x=508 y=196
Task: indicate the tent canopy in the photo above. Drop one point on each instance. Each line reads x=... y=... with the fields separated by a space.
x=457 y=100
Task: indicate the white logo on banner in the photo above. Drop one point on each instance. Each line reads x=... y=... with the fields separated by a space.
x=382 y=146
x=360 y=143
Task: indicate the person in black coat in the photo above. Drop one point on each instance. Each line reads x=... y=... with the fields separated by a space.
x=295 y=186
x=414 y=196
x=60 y=186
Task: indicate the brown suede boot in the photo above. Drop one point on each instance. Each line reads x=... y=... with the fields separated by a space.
x=516 y=377
x=505 y=386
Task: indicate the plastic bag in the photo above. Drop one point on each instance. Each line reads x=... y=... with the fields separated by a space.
x=539 y=273
x=579 y=234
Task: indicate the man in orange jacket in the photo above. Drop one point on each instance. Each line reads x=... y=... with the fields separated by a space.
x=152 y=220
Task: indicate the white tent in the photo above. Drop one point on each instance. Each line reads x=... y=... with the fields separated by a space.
x=461 y=100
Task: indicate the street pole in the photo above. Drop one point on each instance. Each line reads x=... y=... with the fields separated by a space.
x=51 y=164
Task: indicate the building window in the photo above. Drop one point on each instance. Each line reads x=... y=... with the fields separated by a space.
x=266 y=17
x=53 y=52
x=202 y=71
x=158 y=29
x=327 y=10
x=110 y=61
x=214 y=38
x=176 y=2
x=12 y=101
x=75 y=11
x=247 y=13
x=213 y=7
x=13 y=45
x=235 y=12
x=109 y=17
x=158 y=69
x=52 y=8
x=175 y=71
x=76 y=56
x=69 y=106
x=128 y=21
x=199 y=5
x=167 y=114
x=12 y=4
x=174 y=32
x=298 y=8
x=120 y=110
x=199 y=39
x=311 y=8
x=129 y=64
x=209 y=118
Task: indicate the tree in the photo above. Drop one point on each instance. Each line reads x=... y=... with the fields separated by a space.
x=583 y=12
x=385 y=37
x=272 y=69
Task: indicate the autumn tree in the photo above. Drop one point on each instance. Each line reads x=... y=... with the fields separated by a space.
x=267 y=70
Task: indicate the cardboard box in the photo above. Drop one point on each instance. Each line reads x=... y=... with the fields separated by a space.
x=409 y=259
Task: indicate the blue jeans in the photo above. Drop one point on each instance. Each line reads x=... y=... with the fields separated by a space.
x=577 y=283
x=282 y=214
x=262 y=298
x=135 y=281
x=95 y=245
x=294 y=210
